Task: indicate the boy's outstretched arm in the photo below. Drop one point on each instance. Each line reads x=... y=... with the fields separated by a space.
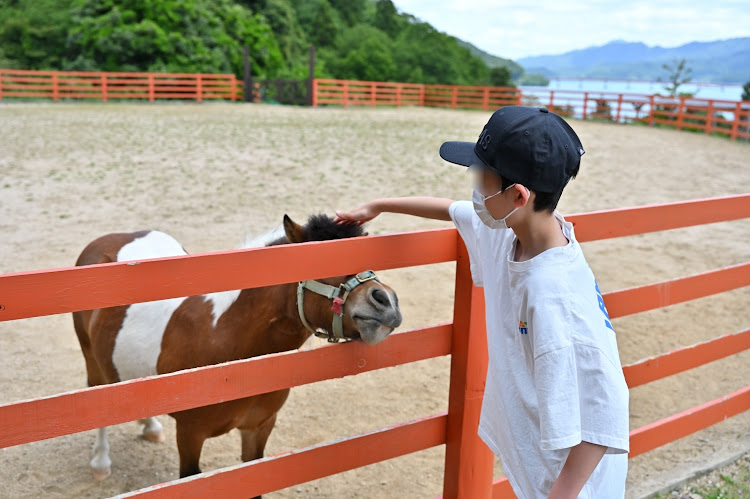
x=582 y=460
x=425 y=207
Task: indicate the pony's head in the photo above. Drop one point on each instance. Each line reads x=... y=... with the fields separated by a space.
x=366 y=308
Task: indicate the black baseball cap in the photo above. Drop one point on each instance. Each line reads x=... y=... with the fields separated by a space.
x=528 y=145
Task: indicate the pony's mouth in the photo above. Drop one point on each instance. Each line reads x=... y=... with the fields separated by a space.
x=371 y=330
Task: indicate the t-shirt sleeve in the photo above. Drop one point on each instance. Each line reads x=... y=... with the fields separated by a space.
x=582 y=396
x=466 y=221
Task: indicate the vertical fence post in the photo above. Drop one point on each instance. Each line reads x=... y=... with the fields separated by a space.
x=314 y=101
x=651 y=110
x=311 y=97
x=151 y=89
x=199 y=88
x=551 y=100
x=732 y=136
x=232 y=87
x=486 y=99
x=373 y=89
x=585 y=104
x=399 y=87
x=519 y=94
x=680 y=113
x=454 y=97
x=619 y=107
x=1 y=85
x=709 y=117
x=103 y=79
x=55 y=88
x=345 y=95
x=468 y=461
x=421 y=95
x=247 y=75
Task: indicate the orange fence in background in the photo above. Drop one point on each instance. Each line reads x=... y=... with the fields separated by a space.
x=468 y=462
x=378 y=93
x=711 y=116
x=105 y=86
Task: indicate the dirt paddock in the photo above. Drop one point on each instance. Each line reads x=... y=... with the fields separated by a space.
x=209 y=174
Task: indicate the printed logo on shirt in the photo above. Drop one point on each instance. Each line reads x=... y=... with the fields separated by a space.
x=602 y=307
x=523 y=327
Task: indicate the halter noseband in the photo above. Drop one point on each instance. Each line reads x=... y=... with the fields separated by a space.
x=338 y=296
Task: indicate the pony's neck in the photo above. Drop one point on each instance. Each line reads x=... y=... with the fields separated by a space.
x=270 y=317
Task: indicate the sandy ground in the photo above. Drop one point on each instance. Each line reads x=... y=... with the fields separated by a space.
x=208 y=174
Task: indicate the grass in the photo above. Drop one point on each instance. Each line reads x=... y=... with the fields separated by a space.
x=729 y=482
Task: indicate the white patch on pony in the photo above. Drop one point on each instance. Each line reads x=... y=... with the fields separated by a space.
x=264 y=239
x=138 y=343
x=154 y=244
x=222 y=300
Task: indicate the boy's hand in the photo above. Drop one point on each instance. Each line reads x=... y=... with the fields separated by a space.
x=358 y=216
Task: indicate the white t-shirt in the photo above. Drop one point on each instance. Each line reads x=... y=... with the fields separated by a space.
x=554 y=377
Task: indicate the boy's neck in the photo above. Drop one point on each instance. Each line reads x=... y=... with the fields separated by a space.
x=536 y=234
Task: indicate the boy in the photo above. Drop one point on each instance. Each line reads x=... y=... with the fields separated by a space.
x=555 y=407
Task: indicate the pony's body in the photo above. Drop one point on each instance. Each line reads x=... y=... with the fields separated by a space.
x=144 y=339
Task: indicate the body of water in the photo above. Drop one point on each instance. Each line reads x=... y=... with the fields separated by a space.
x=703 y=91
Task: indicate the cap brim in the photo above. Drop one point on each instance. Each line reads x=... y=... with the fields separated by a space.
x=460 y=153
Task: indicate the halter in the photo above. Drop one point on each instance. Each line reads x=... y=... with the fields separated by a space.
x=338 y=296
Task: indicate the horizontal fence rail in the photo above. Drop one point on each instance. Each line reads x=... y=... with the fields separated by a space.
x=468 y=466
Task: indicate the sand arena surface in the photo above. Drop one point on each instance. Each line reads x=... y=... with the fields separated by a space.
x=208 y=174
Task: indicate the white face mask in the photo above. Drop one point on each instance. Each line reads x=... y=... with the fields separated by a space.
x=483 y=213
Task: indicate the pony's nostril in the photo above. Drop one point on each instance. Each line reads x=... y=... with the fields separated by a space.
x=380 y=297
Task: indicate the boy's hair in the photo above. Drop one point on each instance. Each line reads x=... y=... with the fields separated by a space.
x=543 y=201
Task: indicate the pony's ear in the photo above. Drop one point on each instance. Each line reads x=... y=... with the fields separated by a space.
x=294 y=231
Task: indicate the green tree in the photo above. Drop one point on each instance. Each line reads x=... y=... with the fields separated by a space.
x=169 y=35
x=324 y=28
x=33 y=33
x=439 y=56
x=351 y=11
x=363 y=53
x=386 y=17
x=500 y=77
x=678 y=73
x=746 y=91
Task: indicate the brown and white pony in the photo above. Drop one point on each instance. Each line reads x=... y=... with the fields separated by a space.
x=143 y=339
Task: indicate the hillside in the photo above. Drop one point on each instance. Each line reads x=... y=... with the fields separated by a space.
x=355 y=39
x=722 y=61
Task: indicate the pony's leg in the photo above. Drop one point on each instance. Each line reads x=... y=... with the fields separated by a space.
x=189 y=445
x=101 y=466
x=254 y=441
x=152 y=430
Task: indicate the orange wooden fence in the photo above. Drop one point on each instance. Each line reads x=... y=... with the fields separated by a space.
x=710 y=116
x=107 y=86
x=468 y=463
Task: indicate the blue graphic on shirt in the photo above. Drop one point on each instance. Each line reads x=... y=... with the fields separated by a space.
x=523 y=327
x=602 y=307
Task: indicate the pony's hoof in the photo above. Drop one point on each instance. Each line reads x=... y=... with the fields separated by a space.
x=154 y=437
x=100 y=475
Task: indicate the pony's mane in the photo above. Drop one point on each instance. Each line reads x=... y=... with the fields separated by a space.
x=321 y=227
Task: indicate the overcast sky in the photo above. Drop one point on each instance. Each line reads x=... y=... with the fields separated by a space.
x=520 y=28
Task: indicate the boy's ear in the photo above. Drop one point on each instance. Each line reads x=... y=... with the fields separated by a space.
x=523 y=195
x=294 y=231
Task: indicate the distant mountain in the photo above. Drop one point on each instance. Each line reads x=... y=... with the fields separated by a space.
x=516 y=71
x=722 y=61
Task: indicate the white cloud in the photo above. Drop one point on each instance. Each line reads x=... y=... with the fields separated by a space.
x=515 y=28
